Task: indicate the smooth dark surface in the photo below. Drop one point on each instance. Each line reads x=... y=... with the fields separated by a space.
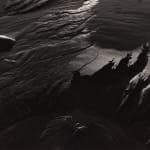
x=122 y=24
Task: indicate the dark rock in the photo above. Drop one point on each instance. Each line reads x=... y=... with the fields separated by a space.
x=86 y=133
x=6 y=43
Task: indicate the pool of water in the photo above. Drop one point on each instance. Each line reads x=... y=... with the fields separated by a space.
x=121 y=24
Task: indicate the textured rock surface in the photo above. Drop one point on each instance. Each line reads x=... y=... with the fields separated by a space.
x=19 y=6
x=40 y=79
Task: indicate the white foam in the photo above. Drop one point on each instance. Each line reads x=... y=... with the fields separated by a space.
x=88 y=4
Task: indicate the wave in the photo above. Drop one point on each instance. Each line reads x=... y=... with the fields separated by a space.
x=88 y=4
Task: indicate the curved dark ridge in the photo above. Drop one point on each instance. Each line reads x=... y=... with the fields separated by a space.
x=6 y=43
x=83 y=131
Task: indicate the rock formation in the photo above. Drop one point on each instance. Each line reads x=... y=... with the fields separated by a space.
x=40 y=79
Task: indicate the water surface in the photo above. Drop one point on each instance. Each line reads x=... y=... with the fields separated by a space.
x=122 y=24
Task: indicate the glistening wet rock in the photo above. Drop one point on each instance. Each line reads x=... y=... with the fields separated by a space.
x=40 y=60
x=41 y=77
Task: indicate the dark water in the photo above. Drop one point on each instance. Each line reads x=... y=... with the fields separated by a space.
x=123 y=24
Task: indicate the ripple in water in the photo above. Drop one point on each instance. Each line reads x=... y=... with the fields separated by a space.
x=123 y=24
